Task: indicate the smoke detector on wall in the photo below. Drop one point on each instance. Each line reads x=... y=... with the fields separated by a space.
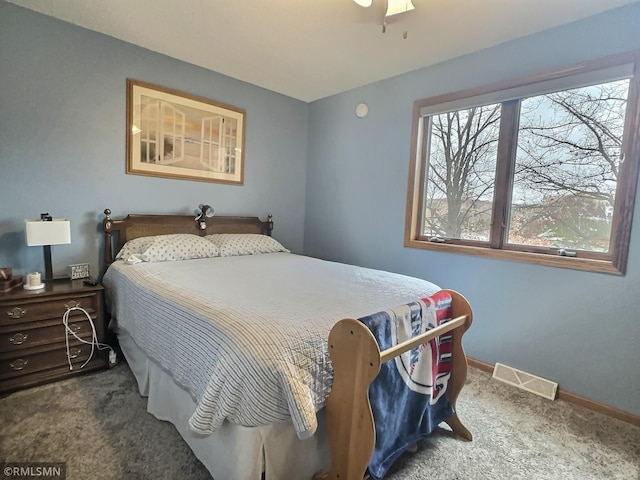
x=362 y=110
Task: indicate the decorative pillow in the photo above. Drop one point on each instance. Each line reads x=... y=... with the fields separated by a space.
x=167 y=248
x=233 y=244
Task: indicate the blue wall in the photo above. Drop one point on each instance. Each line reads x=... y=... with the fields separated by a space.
x=62 y=140
x=62 y=150
x=579 y=329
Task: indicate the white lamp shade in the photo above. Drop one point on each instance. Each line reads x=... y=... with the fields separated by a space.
x=55 y=232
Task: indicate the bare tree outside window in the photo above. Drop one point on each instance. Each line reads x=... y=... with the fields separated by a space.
x=569 y=146
x=462 y=166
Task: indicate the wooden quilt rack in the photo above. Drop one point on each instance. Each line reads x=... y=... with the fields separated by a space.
x=356 y=360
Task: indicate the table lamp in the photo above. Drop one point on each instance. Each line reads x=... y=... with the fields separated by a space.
x=46 y=232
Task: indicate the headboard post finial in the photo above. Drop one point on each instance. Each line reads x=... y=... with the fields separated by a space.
x=106 y=228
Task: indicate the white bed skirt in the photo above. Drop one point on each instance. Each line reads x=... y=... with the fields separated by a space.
x=233 y=452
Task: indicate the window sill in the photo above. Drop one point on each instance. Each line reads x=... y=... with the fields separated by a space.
x=550 y=260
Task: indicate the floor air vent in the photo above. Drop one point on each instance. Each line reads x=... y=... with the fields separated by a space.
x=540 y=386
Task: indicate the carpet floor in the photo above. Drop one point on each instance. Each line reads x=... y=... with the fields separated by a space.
x=98 y=425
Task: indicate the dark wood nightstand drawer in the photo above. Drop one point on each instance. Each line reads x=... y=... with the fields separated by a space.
x=51 y=374
x=32 y=334
x=43 y=308
x=27 y=362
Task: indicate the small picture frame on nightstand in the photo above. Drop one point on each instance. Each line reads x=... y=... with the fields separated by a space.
x=79 y=270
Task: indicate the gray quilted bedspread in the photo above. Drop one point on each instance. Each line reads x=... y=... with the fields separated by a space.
x=247 y=335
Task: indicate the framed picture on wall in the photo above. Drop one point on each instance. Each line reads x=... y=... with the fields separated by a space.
x=176 y=135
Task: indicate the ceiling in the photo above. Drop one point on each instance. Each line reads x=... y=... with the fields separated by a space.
x=311 y=49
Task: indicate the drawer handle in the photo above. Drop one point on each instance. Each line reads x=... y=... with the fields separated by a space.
x=74 y=327
x=17 y=312
x=18 y=338
x=72 y=304
x=19 y=364
x=74 y=352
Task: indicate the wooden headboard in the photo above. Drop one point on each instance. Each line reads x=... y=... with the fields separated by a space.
x=142 y=225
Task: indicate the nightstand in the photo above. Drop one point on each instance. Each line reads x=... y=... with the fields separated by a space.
x=32 y=335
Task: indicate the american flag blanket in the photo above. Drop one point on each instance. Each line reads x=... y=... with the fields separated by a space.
x=409 y=395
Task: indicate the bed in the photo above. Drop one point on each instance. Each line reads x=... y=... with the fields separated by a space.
x=259 y=357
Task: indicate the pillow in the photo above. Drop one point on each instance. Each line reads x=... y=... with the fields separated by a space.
x=133 y=247
x=233 y=244
x=167 y=248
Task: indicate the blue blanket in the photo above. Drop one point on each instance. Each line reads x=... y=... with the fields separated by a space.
x=408 y=397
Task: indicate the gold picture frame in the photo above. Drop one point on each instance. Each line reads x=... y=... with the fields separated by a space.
x=172 y=134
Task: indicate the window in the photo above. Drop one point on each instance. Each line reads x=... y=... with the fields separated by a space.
x=541 y=169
